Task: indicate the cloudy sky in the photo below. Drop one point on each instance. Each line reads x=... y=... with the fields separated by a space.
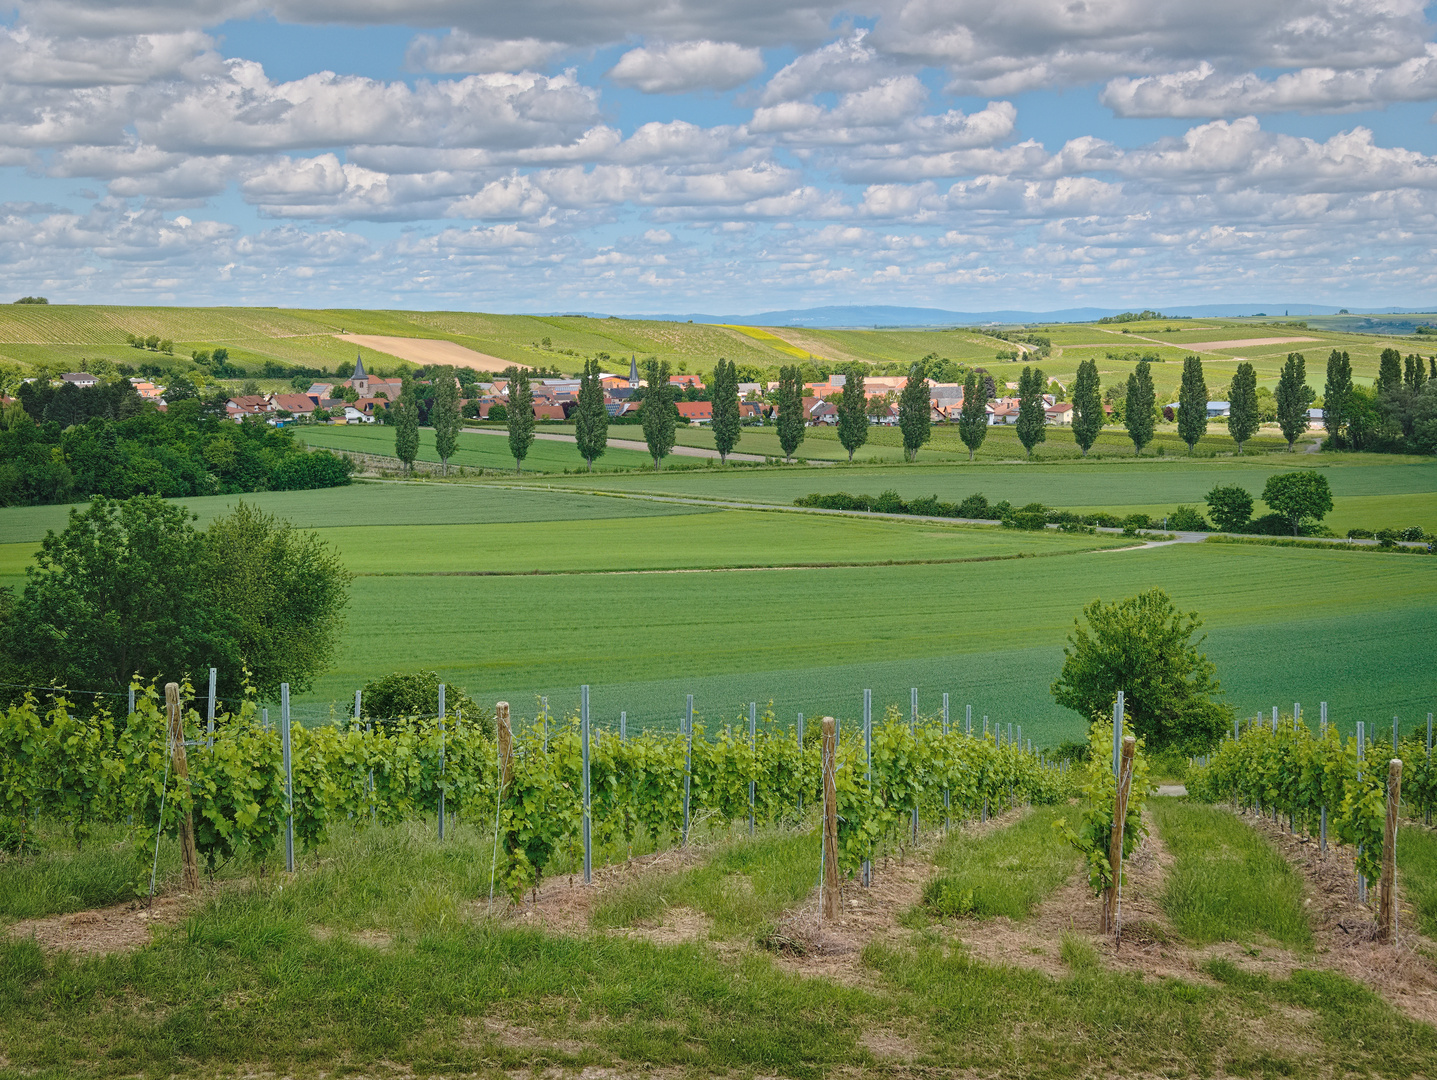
x=686 y=156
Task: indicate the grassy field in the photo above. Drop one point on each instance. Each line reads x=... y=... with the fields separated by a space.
x=474 y=450
x=1367 y=491
x=1227 y=883
x=1417 y=874
x=1350 y=629
x=377 y=958
x=1006 y=871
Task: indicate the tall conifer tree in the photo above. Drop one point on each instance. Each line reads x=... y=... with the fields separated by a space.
x=1192 y=403
x=1087 y=405
x=1389 y=370
x=973 y=416
x=1138 y=408
x=1032 y=417
x=521 y=417
x=723 y=393
x=791 y=420
x=853 y=411
x=1242 y=418
x=591 y=419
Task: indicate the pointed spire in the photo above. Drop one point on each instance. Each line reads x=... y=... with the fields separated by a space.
x=358 y=367
x=634 y=369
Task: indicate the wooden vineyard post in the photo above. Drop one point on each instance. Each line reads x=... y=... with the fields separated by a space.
x=182 y=773
x=1115 y=846
x=830 y=819
x=1387 y=891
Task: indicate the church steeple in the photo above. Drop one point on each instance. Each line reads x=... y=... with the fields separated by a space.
x=634 y=371
x=359 y=367
x=360 y=379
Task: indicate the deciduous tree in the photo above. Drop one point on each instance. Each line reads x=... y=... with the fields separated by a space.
x=521 y=417
x=1143 y=646
x=1032 y=416
x=915 y=413
x=1298 y=496
x=1087 y=406
x=1140 y=403
x=406 y=425
x=1294 y=397
x=1337 y=396
x=444 y=416
x=1230 y=506
x=852 y=411
x=791 y=421
x=973 y=416
x=723 y=393
x=1192 y=403
x=1242 y=418
x=657 y=412
x=591 y=419
x=1389 y=370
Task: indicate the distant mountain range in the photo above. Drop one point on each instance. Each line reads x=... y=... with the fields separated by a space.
x=862 y=315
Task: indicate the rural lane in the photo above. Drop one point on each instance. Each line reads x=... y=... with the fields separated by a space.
x=632 y=444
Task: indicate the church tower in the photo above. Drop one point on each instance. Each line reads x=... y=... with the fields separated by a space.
x=634 y=371
x=360 y=379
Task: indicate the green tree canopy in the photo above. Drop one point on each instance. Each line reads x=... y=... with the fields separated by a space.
x=591 y=419
x=915 y=412
x=657 y=412
x=1192 y=403
x=1032 y=414
x=131 y=588
x=1298 y=496
x=1294 y=397
x=520 y=416
x=1087 y=405
x=1140 y=402
x=1389 y=370
x=1143 y=646
x=723 y=393
x=853 y=411
x=791 y=421
x=409 y=694
x=973 y=415
x=1230 y=506
x=1242 y=417
x=444 y=416
x=406 y=424
x=1337 y=396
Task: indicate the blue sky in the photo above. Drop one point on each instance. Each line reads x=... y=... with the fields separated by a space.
x=687 y=157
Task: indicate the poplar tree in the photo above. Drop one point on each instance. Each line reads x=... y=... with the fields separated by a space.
x=1389 y=370
x=521 y=417
x=790 y=410
x=444 y=417
x=657 y=412
x=853 y=412
x=915 y=413
x=591 y=419
x=1337 y=395
x=1242 y=418
x=1293 y=398
x=973 y=416
x=1032 y=419
x=723 y=393
x=1192 y=403
x=1138 y=408
x=1087 y=405
x=406 y=424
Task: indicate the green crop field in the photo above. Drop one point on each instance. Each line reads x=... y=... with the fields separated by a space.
x=476 y=450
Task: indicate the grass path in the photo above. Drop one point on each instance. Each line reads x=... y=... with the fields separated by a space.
x=1005 y=871
x=1227 y=883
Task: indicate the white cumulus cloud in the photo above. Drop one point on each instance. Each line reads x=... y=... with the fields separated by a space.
x=686 y=66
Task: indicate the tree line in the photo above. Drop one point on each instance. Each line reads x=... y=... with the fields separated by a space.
x=60 y=444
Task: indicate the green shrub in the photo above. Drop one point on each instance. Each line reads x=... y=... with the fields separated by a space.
x=890 y=502
x=975 y=506
x=1359 y=534
x=416 y=693
x=1187 y=519
x=1025 y=519
x=1137 y=521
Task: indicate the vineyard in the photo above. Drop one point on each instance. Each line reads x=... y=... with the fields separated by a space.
x=1320 y=782
x=256 y=788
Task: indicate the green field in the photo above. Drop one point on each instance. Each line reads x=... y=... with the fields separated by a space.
x=474 y=450
x=513 y=593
